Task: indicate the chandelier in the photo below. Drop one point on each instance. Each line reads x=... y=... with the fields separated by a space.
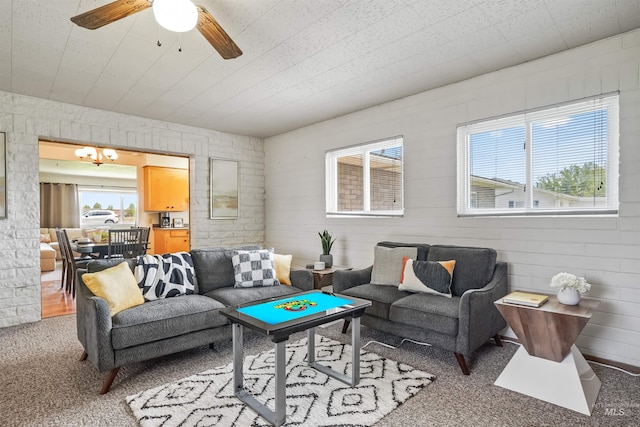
x=96 y=155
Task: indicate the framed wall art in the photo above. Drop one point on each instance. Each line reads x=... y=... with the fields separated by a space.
x=224 y=188
x=3 y=175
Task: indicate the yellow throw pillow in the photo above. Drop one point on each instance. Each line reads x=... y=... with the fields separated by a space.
x=283 y=268
x=117 y=286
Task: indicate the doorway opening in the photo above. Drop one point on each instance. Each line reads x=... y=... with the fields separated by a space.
x=109 y=195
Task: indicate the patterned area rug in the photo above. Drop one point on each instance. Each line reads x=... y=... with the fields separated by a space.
x=313 y=398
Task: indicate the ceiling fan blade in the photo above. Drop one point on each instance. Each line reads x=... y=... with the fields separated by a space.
x=109 y=13
x=214 y=33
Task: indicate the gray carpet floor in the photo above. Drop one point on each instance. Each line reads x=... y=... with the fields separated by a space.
x=43 y=383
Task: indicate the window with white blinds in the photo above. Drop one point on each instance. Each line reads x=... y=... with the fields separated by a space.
x=365 y=179
x=557 y=160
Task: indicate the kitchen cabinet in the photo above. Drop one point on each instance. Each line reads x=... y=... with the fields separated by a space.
x=166 y=189
x=168 y=240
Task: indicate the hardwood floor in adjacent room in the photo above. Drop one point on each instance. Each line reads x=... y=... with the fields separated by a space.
x=55 y=301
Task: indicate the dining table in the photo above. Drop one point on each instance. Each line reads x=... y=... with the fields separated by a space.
x=94 y=249
x=87 y=249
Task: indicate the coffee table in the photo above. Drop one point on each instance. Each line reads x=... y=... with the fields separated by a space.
x=278 y=319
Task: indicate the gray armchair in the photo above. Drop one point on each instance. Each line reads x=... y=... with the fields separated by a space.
x=460 y=324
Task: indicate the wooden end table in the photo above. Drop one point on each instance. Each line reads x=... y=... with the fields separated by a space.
x=322 y=278
x=548 y=365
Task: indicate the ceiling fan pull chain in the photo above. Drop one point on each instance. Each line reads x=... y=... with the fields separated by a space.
x=179 y=42
x=159 y=44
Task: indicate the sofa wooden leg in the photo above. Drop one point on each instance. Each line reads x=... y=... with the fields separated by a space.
x=111 y=375
x=497 y=339
x=84 y=356
x=462 y=363
x=345 y=326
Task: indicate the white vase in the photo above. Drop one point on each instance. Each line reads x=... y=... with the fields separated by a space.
x=569 y=296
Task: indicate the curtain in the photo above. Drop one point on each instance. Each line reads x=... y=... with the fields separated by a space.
x=59 y=205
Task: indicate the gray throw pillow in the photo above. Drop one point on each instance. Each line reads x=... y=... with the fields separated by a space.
x=387 y=264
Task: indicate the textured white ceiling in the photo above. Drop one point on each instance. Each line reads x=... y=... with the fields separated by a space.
x=304 y=60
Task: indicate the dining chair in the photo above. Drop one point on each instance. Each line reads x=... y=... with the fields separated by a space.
x=125 y=243
x=73 y=263
x=144 y=240
x=65 y=261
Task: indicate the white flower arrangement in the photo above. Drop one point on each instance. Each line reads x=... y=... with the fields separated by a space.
x=568 y=280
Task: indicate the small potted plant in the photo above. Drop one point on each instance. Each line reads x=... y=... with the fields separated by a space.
x=570 y=287
x=327 y=242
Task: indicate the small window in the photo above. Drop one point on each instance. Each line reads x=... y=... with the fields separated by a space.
x=558 y=160
x=366 y=179
x=123 y=202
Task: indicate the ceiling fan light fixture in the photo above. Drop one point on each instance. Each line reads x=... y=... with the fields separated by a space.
x=176 y=15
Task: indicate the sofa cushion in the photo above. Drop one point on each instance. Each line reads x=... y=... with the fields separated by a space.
x=387 y=264
x=165 y=318
x=73 y=233
x=381 y=297
x=117 y=286
x=47 y=257
x=47 y=252
x=254 y=268
x=432 y=277
x=214 y=268
x=474 y=266
x=237 y=296
x=426 y=311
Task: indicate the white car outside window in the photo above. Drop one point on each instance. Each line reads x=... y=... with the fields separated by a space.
x=98 y=217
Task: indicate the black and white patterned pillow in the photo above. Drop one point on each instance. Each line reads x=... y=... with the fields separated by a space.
x=165 y=276
x=254 y=268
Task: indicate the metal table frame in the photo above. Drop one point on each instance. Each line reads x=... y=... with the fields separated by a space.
x=280 y=339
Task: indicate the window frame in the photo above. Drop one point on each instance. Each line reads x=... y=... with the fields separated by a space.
x=610 y=102
x=365 y=149
x=121 y=191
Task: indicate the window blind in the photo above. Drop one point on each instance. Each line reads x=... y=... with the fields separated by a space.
x=561 y=159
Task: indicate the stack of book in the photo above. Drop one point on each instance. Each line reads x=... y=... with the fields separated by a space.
x=525 y=298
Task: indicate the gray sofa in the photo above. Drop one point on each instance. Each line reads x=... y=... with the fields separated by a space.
x=460 y=324
x=165 y=326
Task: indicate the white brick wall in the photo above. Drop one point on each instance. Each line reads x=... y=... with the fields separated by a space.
x=604 y=250
x=27 y=119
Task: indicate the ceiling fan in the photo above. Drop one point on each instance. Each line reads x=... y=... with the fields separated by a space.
x=169 y=14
